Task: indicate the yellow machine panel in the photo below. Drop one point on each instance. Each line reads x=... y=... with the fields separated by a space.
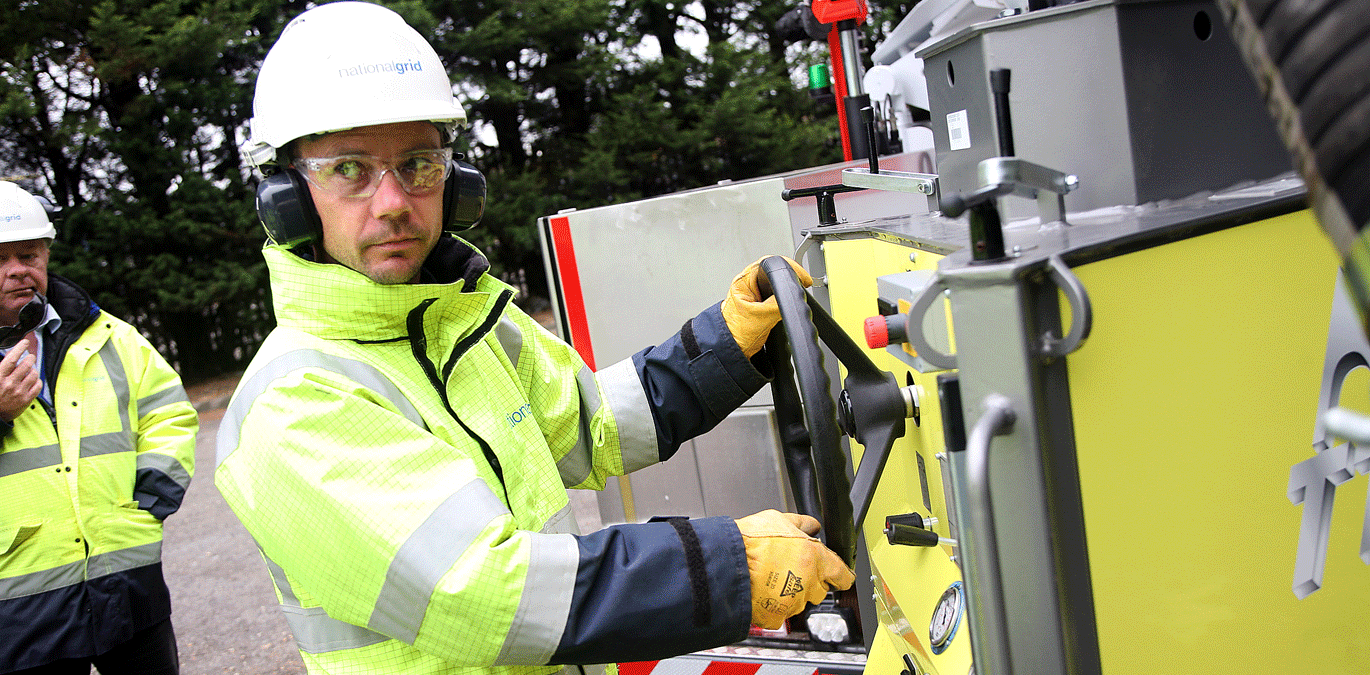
x=909 y=580
x=1189 y=405
x=1193 y=398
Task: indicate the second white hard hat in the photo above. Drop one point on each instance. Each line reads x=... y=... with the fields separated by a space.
x=22 y=216
x=345 y=65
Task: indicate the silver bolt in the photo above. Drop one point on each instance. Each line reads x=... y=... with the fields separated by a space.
x=913 y=257
x=1072 y=182
x=1017 y=251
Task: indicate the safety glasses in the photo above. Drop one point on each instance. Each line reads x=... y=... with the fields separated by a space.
x=30 y=315
x=358 y=176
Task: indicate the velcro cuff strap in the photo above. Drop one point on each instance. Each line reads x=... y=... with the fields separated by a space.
x=694 y=564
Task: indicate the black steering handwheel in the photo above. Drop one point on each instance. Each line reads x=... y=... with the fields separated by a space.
x=873 y=411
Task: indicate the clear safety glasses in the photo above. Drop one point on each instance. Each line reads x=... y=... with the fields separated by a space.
x=359 y=176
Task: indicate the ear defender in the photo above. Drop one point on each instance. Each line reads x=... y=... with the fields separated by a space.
x=463 y=198
x=289 y=217
x=287 y=210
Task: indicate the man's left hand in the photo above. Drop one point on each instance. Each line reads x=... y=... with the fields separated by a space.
x=750 y=317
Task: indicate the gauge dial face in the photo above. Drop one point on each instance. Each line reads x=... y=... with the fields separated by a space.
x=946 y=617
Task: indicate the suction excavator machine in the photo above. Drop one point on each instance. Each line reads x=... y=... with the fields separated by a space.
x=1071 y=389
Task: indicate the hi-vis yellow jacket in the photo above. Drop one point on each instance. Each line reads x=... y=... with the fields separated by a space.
x=400 y=454
x=84 y=486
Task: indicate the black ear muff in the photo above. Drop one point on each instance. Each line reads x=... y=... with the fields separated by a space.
x=54 y=213
x=463 y=198
x=287 y=210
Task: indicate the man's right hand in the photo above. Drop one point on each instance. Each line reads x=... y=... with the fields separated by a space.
x=788 y=566
x=19 y=381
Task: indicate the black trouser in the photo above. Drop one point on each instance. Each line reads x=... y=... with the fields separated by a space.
x=151 y=651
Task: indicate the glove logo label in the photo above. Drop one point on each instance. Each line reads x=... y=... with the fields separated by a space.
x=793 y=586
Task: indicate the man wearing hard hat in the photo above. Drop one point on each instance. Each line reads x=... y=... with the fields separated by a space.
x=401 y=445
x=98 y=449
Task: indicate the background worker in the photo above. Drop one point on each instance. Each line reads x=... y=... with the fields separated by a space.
x=401 y=445
x=98 y=449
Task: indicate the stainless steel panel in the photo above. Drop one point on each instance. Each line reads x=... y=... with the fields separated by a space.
x=733 y=470
x=739 y=465
x=674 y=488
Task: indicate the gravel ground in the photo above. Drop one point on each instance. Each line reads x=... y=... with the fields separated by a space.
x=222 y=605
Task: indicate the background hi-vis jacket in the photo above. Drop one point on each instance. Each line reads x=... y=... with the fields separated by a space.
x=400 y=454
x=84 y=486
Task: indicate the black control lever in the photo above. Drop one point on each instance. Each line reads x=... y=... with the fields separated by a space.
x=909 y=529
x=827 y=208
x=986 y=225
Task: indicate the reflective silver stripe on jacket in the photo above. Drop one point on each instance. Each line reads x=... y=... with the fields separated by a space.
x=426 y=556
x=115 y=441
x=75 y=572
x=124 y=559
x=106 y=444
x=172 y=467
x=627 y=400
x=91 y=446
x=363 y=374
x=540 y=620
x=173 y=394
x=421 y=562
x=118 y=380
x=316 y=632
x=28 y=459
x=510 y=339
x=575 y=466
x=549 y=559
x=43 y=580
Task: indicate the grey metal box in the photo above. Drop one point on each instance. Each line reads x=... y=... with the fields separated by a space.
x=1144 y=100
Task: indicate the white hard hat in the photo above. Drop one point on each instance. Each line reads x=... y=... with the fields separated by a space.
x=345 y=65
x=22 y=216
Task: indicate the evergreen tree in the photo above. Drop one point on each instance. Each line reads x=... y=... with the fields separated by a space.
x=126 y=114
x=129 y=114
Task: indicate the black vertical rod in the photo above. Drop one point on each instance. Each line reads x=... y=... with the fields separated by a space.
x=999 y=85
x=986 y=232
x=868 y=118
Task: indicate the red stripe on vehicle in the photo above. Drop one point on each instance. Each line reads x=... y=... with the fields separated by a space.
x=570 y=290
x=731 y=668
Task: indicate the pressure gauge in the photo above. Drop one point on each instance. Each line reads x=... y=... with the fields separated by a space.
x=946 y=617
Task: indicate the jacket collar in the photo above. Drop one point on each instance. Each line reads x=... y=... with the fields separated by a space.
x=335 y=302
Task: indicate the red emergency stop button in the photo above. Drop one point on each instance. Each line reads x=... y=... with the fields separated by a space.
x=877 y=332
x=882 y=331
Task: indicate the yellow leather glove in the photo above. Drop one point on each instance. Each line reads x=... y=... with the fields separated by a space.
x=788 y=566
x=750 y=317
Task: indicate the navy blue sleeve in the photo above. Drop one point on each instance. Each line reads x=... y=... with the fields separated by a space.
x=696 y=378
x=157 y=493
x=653 y=590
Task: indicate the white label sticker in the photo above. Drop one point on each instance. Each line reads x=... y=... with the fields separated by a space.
x=958 y=130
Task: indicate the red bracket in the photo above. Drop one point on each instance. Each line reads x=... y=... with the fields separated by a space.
x=832 y=11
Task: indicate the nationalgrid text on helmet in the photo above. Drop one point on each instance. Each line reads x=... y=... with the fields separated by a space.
x=398 y=67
